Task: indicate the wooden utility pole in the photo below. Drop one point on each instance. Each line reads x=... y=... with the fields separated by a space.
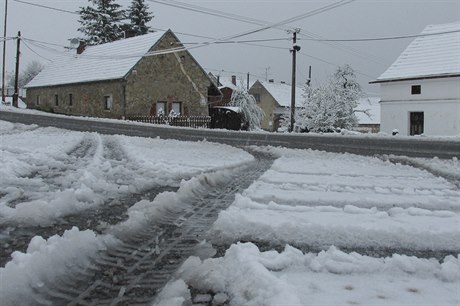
x=4 y=52
x=294 y=50
x=16 y=75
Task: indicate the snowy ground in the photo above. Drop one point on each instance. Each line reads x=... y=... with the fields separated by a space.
x=316 y=229
x=310 y=205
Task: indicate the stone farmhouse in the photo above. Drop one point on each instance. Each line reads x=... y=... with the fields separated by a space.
x=150 y=74
x=275 y=100
x=420 y=91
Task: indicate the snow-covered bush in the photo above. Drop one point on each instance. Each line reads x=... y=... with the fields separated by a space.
x=251 y=112
x=331 y=105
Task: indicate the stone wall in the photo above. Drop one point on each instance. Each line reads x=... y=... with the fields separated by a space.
x=171 y=77
x=87 y=99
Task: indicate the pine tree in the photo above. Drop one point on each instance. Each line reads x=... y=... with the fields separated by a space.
x=101 y=23
x=139 y=17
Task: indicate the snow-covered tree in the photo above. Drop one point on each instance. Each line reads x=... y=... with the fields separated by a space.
x=332 y=105
x=139 y=16
x=25 y=76
x=251 y=112
x=101 y=22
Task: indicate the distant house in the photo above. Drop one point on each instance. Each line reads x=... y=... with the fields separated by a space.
x=134 y=76
x=275 y=100
x=226 y=86
x=368 y=114
x=420 y=92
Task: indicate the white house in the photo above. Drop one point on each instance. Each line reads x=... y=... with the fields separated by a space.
x=420 y=92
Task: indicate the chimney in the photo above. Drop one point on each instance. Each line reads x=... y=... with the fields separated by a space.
x=234 y=80
x=81 y=47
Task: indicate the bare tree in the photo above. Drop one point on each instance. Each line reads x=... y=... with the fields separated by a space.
x=31 y=70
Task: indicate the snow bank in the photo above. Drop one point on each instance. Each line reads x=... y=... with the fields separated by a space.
x=250 y=277
x=318 y=199
x=45 y=261
x=350 y=226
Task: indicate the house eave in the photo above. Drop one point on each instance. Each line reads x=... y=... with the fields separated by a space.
x=73 y=84
x=430 y=77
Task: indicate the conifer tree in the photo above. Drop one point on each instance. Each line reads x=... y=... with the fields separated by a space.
x=101 y=22
x=139 y=17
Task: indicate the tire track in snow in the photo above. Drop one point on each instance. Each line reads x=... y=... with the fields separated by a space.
x=16 y=237
x=135 y=270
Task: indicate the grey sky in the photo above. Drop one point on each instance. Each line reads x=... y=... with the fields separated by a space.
x=359 y=19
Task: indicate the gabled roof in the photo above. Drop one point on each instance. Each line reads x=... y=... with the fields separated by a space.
x=110 y=61
x=281 y=92
x=431 y=56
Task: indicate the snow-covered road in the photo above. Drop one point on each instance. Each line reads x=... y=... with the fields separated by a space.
x=318 y=228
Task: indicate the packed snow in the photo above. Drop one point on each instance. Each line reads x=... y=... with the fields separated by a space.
x=297 y=236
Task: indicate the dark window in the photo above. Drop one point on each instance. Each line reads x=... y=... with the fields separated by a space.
x=108 y=102
x=38 y=100
x=416 y=89
x=56 y=100
x=70 y=99
x=257 y=97
x=416 y=123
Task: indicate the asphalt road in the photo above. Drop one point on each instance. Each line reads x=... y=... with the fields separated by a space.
x=413 y=147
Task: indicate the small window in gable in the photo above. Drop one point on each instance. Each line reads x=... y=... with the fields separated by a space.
x=56 y=100
x=416 y=89
x=70 y=99
x=38 y=100
x=107 y=102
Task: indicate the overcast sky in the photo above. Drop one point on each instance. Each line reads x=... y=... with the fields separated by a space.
x=358 y=19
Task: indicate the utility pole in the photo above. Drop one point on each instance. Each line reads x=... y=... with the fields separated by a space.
x=248 y=82
x=294 y=50
x=16 y=76
x=4 y=52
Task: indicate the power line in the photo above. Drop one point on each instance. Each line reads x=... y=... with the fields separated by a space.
x=383 y=38
x=46 y=7
x=36 y=53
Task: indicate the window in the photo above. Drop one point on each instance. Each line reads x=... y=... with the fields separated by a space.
x=177 y=108
x=70 y=99
x=257 y=97
x=416 y=89
x=38 y=100
x=416 y=124
x=107 y=102
x=56 y=100
x=161 y=108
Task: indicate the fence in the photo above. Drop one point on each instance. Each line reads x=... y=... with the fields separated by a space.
x=193 y=121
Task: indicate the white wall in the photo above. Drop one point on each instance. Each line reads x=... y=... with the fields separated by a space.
x=439 y=100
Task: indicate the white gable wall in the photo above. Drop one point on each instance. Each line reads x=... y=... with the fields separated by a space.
x=439 y=101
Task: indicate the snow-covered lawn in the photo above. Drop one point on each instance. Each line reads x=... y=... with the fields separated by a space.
x=321 y=201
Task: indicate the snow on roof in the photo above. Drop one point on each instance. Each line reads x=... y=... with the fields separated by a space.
x=427 y=56
x=372 y=105
x=281 y=92
x=108 y=61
